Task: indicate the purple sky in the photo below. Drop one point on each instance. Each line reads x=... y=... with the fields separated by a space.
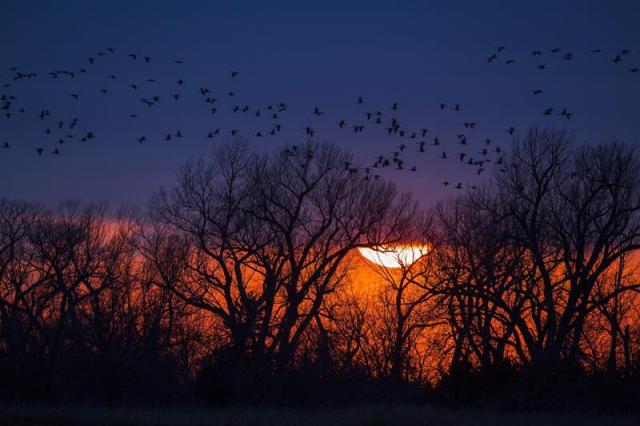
x=324 y=54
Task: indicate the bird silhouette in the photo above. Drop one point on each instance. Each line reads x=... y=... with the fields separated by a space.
x=566 y=113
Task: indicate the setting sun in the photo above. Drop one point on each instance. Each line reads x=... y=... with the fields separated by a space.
x=393 y=257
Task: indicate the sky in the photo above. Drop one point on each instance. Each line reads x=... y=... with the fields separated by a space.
x=305 y=54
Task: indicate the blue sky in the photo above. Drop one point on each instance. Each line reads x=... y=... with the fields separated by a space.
x=306 y=54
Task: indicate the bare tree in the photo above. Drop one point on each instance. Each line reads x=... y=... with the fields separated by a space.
x=406 y=306
x=528 y=251
x=575 y=219
x=268 y=236
x=476 y=267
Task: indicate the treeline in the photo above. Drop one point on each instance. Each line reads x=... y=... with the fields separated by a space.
x=234 y=286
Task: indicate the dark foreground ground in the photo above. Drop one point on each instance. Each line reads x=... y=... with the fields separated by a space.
x=356 y=415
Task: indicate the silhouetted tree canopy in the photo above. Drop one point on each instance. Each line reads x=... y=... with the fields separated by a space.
x=235 y=285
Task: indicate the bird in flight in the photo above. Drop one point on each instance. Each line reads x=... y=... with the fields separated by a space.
x=566 y=113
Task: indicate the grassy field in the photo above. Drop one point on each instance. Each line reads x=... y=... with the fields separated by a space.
x=372 y=415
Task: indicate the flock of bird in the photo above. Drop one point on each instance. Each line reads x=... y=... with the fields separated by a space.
x=472 y=151
x=540 y=64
